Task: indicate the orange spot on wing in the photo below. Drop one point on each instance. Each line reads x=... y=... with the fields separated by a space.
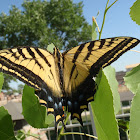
x=63 y=108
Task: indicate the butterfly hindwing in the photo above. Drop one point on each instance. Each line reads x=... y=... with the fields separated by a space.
x=54 y=104
x=78 y=101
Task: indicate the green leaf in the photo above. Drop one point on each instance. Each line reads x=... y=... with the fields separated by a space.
x=135 y=116
x=20 y=135
x=103 y=112
x=50 y=47
x=1 y=80
x=6 y=125
x=111 y=77
x=132 y=79
x=34 y=113
x=135 y=12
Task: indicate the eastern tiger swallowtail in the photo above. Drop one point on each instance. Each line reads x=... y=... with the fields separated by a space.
x=64 y=79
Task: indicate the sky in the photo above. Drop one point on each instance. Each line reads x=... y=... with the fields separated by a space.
x=118 y=23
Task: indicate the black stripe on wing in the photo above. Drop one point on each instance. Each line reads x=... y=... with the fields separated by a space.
x=92 y=45
x=78 y=52
x=20 y=72
x=112 y=55
x=43 y=57
x=20 y=52
x=32 y=54
x=16 y=62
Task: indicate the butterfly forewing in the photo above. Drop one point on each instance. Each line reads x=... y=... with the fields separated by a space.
x=34 y=66
x=88 y=58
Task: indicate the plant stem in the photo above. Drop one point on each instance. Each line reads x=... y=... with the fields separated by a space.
x=26 y=134
x=103 y=20
x=135 y=51
x=77 y=133
x=112 y=4
x=94 y=20
x=106 y=9
x=62 y=129
x=33 y=136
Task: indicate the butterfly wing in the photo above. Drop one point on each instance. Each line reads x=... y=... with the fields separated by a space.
x=87 y=59
x=36 y=68
x=83 y=62
x=54 y=105
x=33 y=66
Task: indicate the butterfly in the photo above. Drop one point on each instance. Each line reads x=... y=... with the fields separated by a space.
x=64 y=80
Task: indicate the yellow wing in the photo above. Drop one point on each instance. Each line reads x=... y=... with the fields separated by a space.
x=33 y=66
x=87 y=59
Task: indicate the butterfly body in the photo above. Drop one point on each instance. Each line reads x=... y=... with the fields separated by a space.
x=74 y=100
x=64 y=79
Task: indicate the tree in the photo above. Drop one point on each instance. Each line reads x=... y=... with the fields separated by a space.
x=40 y=23
x=7 y=80
x=20 y=88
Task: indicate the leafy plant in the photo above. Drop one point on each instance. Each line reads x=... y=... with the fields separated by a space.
x=105 y=122
x=21 y=135
x=6 y=125
x=32 y=108
x=133 y=83
x=135 y=12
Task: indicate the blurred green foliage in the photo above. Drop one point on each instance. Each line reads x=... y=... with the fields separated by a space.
x=40 y=23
